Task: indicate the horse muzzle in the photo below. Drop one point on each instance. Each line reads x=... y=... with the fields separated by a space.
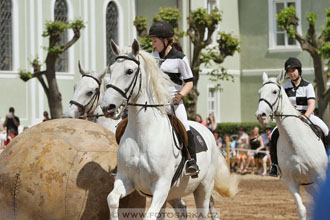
x=262 y=118
x=109 y=111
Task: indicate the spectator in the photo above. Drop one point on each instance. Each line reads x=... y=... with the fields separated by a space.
x=266 y=138
x=232 y=151
x=11 y=121
x=198 y=118
x=46 y=117
x=10 y=136
x=242 y=155
x=2 y=137
x=241 y=135
x=255 y=144
x=211 y=123
x=219 y=141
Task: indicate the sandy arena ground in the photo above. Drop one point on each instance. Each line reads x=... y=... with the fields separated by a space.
x=260 y=198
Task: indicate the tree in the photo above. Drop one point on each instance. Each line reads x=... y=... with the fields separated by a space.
x=54 y=30
x=319 y=49
x=202 y=26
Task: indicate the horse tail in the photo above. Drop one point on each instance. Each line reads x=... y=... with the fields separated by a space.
x=226 y=184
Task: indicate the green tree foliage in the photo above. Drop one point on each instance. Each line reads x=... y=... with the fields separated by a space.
x=202 y=26
x=317 y=46
x=54 y=31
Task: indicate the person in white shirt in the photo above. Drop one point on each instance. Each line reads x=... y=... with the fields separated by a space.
x=176 y=65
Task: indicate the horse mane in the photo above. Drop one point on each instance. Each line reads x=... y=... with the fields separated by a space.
x=157 y=83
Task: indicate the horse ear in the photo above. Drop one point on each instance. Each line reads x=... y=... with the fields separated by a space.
x=81 y=70
x=103 y=74
x=135 y=47
x=264 y=77
x=280 y=77
x=114 y=47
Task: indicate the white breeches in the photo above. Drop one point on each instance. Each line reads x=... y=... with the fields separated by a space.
x=180 y=113
x=317 y=121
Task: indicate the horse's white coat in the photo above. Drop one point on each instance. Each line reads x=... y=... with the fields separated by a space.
x=301 y=155
x=84 y=90
x=147 y=157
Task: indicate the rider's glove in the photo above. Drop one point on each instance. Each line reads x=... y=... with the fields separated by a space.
x=177 y=98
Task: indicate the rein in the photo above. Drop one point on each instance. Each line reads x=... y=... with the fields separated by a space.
x=94 y=98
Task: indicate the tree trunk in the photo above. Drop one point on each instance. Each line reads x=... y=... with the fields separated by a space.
x=321 y=81
x=55 y=97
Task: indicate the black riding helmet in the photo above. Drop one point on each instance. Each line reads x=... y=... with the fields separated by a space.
x=293 y=62
x=161 y=29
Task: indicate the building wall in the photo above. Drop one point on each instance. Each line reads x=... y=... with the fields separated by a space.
x=29 y=19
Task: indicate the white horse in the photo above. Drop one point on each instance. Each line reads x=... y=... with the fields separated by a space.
x=147 y=156
x=301 y=154
x=88 y=92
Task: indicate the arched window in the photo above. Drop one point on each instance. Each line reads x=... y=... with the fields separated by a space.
x=111 y=30
x=6 y=37
x=61 y=14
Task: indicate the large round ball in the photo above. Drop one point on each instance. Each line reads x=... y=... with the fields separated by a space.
x=60 y=169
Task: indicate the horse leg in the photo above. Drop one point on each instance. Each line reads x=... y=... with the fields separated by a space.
x=122 y=187
x=202 y=197
x=158 y=199
x=179 y=207
x=294 y=189
x=161 y=215
x=212 y=210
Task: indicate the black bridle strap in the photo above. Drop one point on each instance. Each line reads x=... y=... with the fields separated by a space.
x=133 y=82
x=95 y=97
x=278 y=97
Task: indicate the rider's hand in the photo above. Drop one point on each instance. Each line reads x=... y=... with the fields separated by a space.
x=303 y=117
x=177 y=98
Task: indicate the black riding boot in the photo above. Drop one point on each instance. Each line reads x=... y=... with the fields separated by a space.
x=274 y=171
x=192 y=167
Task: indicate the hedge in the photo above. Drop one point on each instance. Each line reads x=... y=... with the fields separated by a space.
x=232 y=128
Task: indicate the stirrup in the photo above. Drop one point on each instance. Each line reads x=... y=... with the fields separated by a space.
x=191 y=168
x=274 y=170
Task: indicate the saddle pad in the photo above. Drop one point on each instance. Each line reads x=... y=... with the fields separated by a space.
x=199 y=141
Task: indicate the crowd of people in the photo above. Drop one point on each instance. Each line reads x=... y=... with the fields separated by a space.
x=9 y=129
x=246 y=152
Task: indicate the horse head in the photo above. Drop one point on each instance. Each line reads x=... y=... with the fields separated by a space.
x=87 y=93
x=124 y=81
x=270 y=96
x=134 y=75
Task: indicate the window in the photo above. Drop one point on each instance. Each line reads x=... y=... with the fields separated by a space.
x=212 y=4
x=61 y=14
x=278 y=38
x=111 y=30
x=213 y=100
x=6 y=38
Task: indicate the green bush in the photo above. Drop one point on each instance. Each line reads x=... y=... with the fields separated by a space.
x=232 y=128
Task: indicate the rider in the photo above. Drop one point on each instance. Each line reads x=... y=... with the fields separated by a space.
x=302 y=96
x=176 y=65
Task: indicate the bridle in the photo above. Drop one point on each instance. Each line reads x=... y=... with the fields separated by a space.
x=127 y=93
x=132 y=85
x=95 y=98
x=278 y=98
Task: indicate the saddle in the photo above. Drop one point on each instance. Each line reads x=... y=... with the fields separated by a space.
x=179 y=129
x=317 y=130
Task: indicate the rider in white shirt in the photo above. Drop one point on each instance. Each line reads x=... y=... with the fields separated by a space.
x=176 y=65
x=302 y=96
